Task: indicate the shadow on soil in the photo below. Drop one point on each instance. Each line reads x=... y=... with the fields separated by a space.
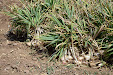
x=18 y=36
x=22 y=37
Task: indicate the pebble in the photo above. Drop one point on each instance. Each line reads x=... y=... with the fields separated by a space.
x=3 y=54
x=11 y=51
x=26 y=71
x=1 y=30
x=18 y=48
x=7 y=68
x=15 y=44
x=14 y=67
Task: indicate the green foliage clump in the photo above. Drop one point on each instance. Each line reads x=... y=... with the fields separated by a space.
x=71 y=27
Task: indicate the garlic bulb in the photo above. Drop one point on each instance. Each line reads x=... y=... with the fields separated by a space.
x=80 y=58
x=78 y=62
x=69 y=57
x=34 y=43
x=87 y=57
x=63 y=60
x=28 y=43
x=100 y=65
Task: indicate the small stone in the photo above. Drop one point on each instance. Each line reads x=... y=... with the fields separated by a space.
x=3 y=54
x=7 y=68
x=15 y=44
x=26 y=71
x=14 y=67
x=11 y=51
x=18 y=48
x=1 y=30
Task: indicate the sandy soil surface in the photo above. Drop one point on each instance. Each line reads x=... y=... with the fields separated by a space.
x=18 y=59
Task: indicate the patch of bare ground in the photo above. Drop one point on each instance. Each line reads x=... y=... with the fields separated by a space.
x=18 y=59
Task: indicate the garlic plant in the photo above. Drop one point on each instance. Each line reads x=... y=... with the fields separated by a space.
x=77 y=30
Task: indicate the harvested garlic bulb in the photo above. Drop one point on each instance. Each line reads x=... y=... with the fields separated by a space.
x=80 y=58
x=28 y=43
x=87 y=57
x=69 y=57
x=63 y=60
